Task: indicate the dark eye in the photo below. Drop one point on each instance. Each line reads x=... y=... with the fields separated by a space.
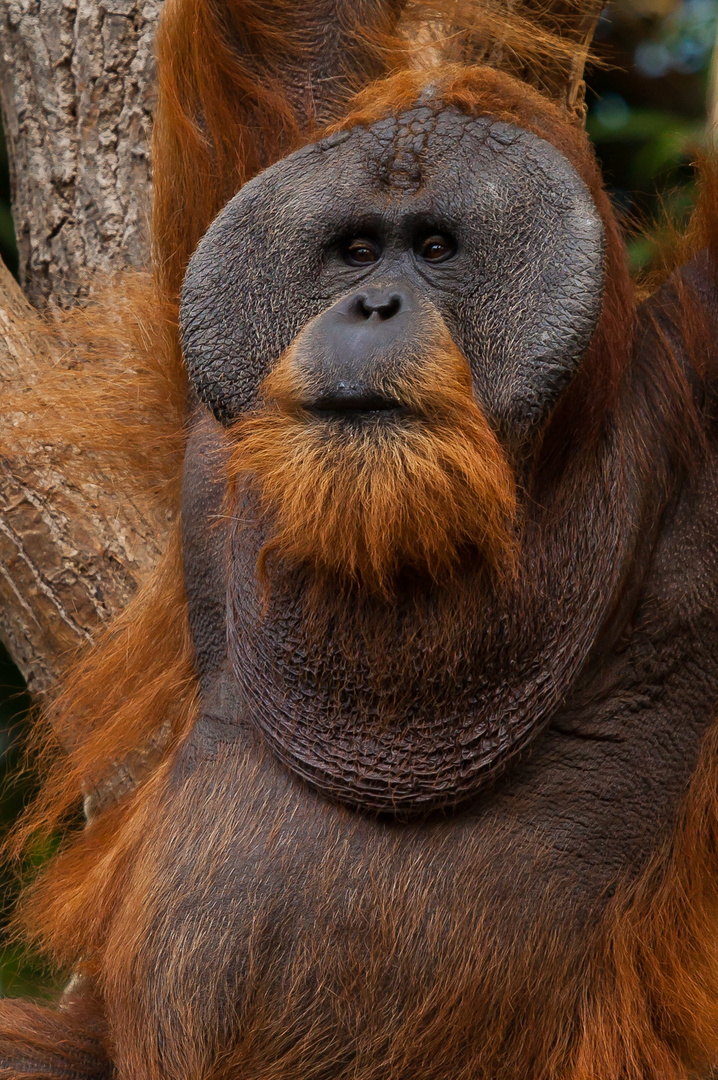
x=361 y=252
x=436 y=248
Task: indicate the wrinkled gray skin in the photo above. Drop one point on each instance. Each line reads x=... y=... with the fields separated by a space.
x=521 y=297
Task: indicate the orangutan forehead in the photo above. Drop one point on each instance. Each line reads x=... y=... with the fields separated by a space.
x=399 y=145
x=403 y=152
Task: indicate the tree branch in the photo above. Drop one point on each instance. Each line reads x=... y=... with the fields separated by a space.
x=73 y=548
x=77 y=88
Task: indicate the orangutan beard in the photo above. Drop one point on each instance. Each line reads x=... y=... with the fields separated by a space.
x=362 y=498
x=403 y=684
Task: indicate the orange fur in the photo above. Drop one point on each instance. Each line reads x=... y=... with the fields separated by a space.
x=112 y=399
x=652 y=1010
x=362 y=505
x=229 y=71
x=112 y=393
x=645 y=1003
x=219 y=123
x=104 y=745
x=674 y=243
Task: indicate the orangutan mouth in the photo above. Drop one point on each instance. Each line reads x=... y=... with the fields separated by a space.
x=347 y=400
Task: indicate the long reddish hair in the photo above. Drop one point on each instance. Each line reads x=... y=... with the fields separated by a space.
x=650 y=1009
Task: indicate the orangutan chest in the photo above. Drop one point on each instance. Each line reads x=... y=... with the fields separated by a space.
x=268 y=923
x=276 y=934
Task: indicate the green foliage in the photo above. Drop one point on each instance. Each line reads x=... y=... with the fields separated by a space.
x=20 y=973
x=647 y=107
x=23 y=975
x=659 y=147
x=658 y=141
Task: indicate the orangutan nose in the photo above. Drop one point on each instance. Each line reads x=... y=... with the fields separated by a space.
x=366 y=322
x=376 y=307
x=355 y=346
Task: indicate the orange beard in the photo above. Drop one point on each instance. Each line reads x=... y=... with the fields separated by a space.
x=363 y=499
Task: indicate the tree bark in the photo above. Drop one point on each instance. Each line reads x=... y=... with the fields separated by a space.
x=73 y=548
x=77 y=85
x=77 y=88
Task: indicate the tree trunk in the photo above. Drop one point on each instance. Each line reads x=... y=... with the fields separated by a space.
x=77 y=90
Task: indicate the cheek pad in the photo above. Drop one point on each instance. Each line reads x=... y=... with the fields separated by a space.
x=255 y=280
x=537 y=247
x=523 y=309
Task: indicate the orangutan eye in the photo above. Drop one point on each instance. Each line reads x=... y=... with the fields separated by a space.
x=436 y=248
x=361 y=252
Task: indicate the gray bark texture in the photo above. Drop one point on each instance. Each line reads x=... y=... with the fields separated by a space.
x=77 y=88
x=78 y=92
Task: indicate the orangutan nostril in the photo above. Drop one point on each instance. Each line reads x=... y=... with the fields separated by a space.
x=384 y=307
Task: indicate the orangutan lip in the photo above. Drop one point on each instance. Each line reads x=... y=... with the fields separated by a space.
x=365 y=402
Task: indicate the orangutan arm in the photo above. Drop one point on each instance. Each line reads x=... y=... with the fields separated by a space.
x=67 y=1043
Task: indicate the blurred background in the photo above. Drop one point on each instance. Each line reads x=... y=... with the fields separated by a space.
x=647 y=104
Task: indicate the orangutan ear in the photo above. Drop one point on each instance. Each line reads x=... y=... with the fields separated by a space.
x=241 y=83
